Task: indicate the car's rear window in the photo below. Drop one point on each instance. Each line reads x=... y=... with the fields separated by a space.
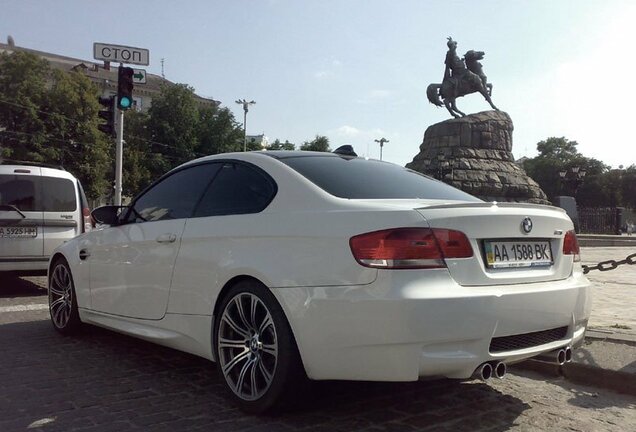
x=34 y=193
x=358 y=178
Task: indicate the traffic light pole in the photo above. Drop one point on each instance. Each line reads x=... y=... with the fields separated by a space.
x=119 y=151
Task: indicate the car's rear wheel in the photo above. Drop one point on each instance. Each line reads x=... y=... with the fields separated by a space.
x=62 y=299
x=255 y=349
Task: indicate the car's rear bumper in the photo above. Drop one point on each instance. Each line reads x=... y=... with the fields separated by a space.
x=401 y=327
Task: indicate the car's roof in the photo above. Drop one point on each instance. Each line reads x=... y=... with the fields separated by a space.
x=44 y=170
x=275 y=154
x=284 y=154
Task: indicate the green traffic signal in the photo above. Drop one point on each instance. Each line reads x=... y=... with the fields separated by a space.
x=125 y=88
x=124 y=102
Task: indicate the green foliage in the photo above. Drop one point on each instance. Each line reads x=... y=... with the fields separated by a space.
x=319 y=143
x=139 y=160
x=218 y=131
x=601 y=187
x=23 y=94
x=174 y=121
x=51 y=117
x=277 y=145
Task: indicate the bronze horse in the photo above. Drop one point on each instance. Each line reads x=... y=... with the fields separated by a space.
x=466 y=81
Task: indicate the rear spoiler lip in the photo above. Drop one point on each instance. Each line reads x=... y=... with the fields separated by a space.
x=492 y=204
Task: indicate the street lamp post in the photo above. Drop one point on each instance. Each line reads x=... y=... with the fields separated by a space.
x=246 y=108
x=382 y=141
x=572 y=178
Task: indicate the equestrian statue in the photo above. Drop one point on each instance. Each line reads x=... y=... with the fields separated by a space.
x=461 y=77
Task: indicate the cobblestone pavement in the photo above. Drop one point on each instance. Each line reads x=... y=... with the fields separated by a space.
x=103 y=381
x=614 y=291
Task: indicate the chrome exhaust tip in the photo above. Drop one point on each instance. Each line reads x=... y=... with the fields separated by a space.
x=483 y=372
x=499 y=370
x=568 y=355
x=558 y=356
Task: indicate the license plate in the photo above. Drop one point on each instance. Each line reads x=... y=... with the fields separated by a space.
x=18 y=232
x=507 y=254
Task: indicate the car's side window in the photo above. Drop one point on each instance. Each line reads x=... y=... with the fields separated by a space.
x=175 y=196
x=237 y=189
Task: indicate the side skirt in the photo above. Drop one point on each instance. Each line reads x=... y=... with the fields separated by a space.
x=188 y=333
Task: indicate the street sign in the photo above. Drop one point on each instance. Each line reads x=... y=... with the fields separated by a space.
x=139 y=76
x=121 y=54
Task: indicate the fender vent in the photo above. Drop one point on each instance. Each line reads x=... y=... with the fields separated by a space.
x=527 y=340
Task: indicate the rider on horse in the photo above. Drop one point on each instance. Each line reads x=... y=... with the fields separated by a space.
x=455 y=67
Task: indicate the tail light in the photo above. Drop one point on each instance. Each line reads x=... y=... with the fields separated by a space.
x=571 y=245
x=409 y=248
x=87 y=221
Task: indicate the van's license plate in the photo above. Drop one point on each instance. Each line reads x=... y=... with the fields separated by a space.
x=506 y=254
x=18 y=232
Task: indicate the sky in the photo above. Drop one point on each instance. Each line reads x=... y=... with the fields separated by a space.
x=357 y=70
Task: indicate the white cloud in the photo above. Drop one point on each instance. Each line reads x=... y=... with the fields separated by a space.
x=328 y=69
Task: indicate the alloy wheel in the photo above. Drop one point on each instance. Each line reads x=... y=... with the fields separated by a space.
x=247 y=346
x=61 y=296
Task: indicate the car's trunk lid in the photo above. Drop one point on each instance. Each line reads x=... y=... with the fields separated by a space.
x=495 y=228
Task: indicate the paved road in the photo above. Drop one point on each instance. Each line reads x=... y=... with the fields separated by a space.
x=613 y=306
x=103 y=381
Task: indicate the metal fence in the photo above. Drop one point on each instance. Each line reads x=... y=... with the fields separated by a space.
x=605 y=220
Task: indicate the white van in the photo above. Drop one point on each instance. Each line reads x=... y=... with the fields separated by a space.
x=40 y=208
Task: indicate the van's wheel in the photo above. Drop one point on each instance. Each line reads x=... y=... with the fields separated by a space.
x=255 y=350
x=62 y=299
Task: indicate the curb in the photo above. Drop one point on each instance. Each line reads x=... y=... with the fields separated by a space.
x=617 y=381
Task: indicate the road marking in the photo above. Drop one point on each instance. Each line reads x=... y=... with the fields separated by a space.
x=23 y=308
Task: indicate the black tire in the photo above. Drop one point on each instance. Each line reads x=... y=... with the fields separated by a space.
x=62 y=299
x=288 y=378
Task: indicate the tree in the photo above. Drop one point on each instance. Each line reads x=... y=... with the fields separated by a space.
x=139 y=162
x=51 y=117
x=73 y=138
x=173 y=126
x=319 y=144
x=277 y=145
x=560 y=154
x=23 y=94
x=218 y=131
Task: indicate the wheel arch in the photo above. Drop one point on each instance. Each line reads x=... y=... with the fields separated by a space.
x=219 y=299
x=54 y=258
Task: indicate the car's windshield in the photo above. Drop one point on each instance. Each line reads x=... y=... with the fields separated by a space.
x=358 y=178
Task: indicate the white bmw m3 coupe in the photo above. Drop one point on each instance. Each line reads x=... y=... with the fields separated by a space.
x=282 y=265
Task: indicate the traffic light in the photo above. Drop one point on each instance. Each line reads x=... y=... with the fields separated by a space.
x=107 y=114
x=125 y=88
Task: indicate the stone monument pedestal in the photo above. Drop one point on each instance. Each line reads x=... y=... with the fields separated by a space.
x=474 y=154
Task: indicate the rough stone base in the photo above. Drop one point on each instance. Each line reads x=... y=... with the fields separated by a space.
x=474 y=154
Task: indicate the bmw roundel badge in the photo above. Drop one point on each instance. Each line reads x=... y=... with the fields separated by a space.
x=526 y=225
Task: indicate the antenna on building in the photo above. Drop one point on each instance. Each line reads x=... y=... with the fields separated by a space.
x=163 y=75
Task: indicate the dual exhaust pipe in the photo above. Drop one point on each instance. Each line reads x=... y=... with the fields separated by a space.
x=490 y=370
x=497 y=369
x=559 y=357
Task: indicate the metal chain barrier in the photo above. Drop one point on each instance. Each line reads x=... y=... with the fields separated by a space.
x=610 y=264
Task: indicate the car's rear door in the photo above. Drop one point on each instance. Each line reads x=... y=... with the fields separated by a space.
x=61 y=209
x=21 y=236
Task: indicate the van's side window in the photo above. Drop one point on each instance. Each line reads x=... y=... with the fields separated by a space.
x=58 y=195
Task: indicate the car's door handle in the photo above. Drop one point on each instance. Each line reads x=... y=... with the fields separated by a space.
x=83 y=254
x=166 y=238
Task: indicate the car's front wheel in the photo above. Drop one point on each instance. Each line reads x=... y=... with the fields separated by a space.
x=255 y=350
x=62 y=300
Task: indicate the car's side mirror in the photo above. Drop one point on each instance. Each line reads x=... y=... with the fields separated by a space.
x=108 y=215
